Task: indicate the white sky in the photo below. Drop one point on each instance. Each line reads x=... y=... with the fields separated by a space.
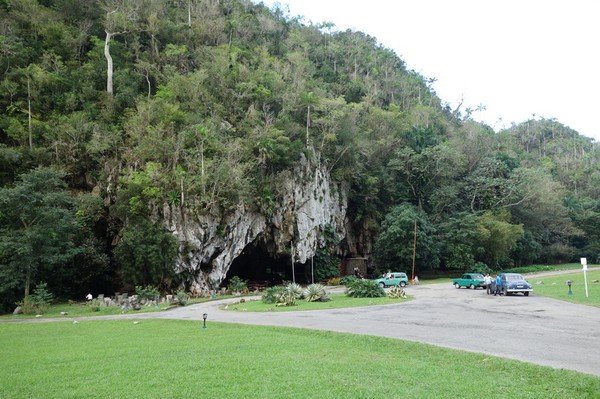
x=521 y=59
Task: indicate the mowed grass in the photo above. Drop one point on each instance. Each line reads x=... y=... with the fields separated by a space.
x=556 y=287
x=338 y=301
x=80 y=310
x=83 y=309
x=178 y=359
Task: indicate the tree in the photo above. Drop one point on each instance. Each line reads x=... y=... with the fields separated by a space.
x=497 y=237
x=309 y=100
x=38 y=228
x=458 y=237
x=394 y=247
x=146 y=254
x=120 y=16
x=424 y=172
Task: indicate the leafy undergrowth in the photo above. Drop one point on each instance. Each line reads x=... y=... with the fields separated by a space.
x=178 y=359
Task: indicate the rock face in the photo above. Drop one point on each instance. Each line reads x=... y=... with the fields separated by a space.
x=308 y=201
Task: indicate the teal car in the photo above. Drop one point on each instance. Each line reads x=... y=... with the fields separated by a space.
x=392 y=278
x=469 y=280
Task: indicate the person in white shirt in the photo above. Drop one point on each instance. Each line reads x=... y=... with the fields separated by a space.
x=488 y=283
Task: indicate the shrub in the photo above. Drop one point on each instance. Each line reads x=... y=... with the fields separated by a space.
x=315 y=293
x=149 y=293
x=529 y=269
x=360 y=288
x=296 y=290
x=38 y=302
x=348 y=279
x=182 y=297
x=286 y=298
x=236 y=284
x=94 y=305
x=326 y=265
x=288 y=295
x=271 y=294
x=27 y=305
x=334 y=281
x=396 y=292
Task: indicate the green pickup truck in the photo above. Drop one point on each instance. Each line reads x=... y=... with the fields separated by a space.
x=469 y=280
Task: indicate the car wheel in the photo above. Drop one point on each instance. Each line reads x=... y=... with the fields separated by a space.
x=402 y=284
x=382 y=285
x=457 y=285
x=472 y=286
x=526 y=293
x=505 y=292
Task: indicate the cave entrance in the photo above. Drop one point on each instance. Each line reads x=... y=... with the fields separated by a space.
x=256 y=265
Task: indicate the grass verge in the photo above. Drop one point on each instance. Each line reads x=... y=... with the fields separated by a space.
x=70 y=310
x=177 y=359
x=338 y=301
x=544 y=268
x=556 y=287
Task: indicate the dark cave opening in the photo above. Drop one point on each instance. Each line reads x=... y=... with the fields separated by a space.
x=256 y=265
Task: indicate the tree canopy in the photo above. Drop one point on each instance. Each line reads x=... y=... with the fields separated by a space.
x=203 y=105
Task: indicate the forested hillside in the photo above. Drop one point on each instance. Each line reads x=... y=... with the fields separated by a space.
x=116 y=112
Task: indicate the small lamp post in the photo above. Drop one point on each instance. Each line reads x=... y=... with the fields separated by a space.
x=569 y=282
x=204 y=316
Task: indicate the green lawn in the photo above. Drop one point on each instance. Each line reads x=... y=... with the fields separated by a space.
x=556 y=287
x=178 y=359
x=337 y=301
x=546 y=268
x=83 y=309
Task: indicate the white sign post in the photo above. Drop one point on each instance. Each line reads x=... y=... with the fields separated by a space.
x=584 y=263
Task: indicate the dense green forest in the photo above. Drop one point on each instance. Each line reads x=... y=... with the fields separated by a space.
x=111 y=110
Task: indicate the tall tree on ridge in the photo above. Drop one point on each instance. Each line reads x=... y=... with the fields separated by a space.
x=120 y=16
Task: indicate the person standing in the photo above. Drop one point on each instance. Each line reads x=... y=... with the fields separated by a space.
x=498 y=286
x=488 y=283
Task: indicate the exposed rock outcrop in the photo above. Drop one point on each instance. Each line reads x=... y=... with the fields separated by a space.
x=308 y=201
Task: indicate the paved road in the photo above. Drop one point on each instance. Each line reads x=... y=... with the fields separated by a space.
x=532 y=329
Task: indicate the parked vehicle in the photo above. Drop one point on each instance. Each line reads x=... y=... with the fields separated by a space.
x=513 y=283
x=470 y=280
x=392 y=278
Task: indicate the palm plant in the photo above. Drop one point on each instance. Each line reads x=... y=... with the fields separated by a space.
x=315 y=293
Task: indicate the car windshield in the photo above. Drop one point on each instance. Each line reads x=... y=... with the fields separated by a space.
x=478 y=276
x=514 y=277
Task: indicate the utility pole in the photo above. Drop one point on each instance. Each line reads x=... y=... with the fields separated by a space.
x=414 y=252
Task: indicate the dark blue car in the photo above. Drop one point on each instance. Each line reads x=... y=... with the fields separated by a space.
x=514 y=283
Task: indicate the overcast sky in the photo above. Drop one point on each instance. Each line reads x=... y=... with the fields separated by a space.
x=521 y=59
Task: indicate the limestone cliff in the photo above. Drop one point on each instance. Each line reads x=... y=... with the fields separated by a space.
x=308 y=201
